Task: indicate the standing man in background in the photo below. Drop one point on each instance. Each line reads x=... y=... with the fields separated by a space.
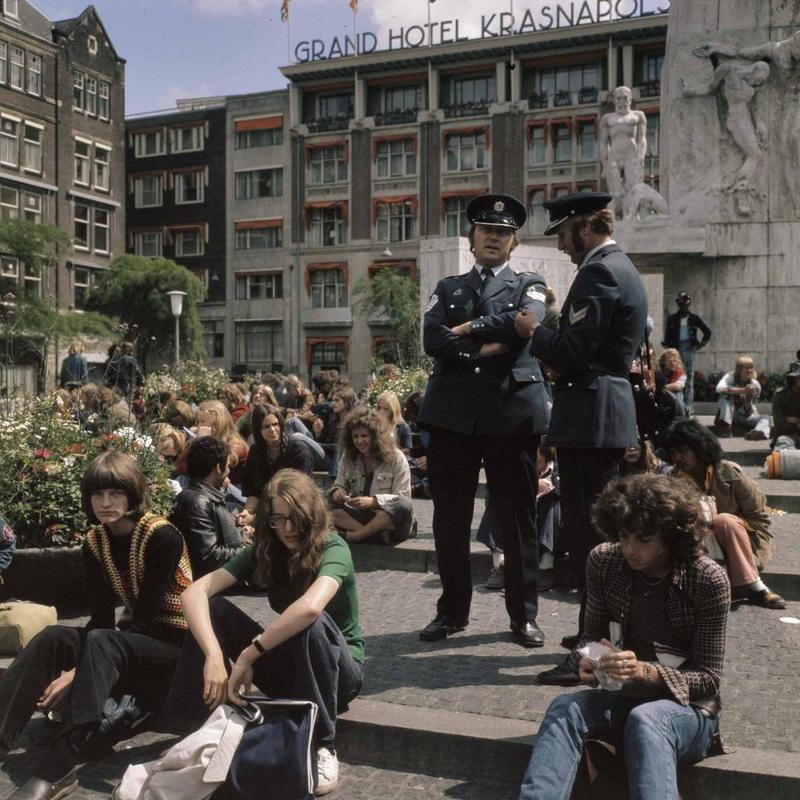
x=485 y=403
x=594 y=417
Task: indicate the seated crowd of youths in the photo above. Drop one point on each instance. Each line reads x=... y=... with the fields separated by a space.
x=681 y=531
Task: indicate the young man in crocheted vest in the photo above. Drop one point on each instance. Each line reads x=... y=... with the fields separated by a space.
x=134 y=558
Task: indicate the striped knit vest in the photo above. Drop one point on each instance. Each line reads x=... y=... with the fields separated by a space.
x=169 y=609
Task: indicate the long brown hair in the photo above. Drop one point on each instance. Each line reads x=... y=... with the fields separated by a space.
x=383 y=444
x=223 y=427
x=114 y=470
x=313 y=521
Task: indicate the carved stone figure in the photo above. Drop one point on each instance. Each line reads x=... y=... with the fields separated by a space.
x=738 y=84
x=784 y=56
x=641 y=201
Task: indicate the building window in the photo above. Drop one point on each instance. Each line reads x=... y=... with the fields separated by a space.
x=11 y=8
x=260 y=344
x=147 y=191
x=9 y=203
x=327 y=288
x=562 y=143
x=327 y=165
x=327 y=226
x=267 y=286
x=395 y=222
x=259 y=238
x=455 y=216
x=214 y=337
x=147 y=244
x=82 y=162
x=91 y=95
x=102 y=168
x=189 y=187
x=336 y=105
x=653 y=134
x=537 y=216
x=103 y=99
x=32 y=280
x=32 y=207
x=187 y=140
x=327 y=355
x=651 y=68
x=402 y=98
x=472 y=91
x=396 y=158
x=587 y=141
x=9 y=273
x=101 y=217
x=150 y=143
x=258 y=138
x=17 y=68
x=259 y=183
x=561 y=191
x=83 y=282
x=32 y=148
x=3 y=62
x=189 y=243
x=537 y=145
x=566 y=81
x=9 y=142
x=78 y=95
x=34 y=74
x=80 y=226
x=465 y=151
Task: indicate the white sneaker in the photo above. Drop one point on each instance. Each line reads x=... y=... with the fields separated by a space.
x=327 y=771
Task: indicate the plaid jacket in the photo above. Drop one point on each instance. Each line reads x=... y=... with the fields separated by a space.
x=697 y=607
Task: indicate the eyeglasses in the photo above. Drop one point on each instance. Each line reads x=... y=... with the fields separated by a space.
x=287 y=521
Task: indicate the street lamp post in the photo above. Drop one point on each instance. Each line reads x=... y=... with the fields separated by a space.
x=176 y=302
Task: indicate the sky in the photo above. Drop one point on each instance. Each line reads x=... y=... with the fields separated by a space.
x=197 y=48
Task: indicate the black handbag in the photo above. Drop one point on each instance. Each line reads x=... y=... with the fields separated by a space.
x=276 y=756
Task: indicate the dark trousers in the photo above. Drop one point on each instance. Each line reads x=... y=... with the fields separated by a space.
x=454 y=463
x=584 y=473
x=106 y=662
x=316 y=664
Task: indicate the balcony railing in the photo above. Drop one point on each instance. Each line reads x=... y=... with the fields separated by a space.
x=538 y=100
x=562 y=98
x=470 y=109
x=396 y=117
x=585 y=96
x=650 y=89
x=321 y=124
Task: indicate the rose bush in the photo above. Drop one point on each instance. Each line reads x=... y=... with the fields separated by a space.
x=192 y=381
x=401 y=381
x=44 y=459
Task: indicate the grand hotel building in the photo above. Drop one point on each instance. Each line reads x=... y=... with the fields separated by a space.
x=346 y=172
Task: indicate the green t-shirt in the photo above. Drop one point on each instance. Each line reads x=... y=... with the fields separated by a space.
x=336 y=563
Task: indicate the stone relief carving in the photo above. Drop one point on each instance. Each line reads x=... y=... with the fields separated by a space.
x=784 y=58
x=738 y=84
x=622 y=145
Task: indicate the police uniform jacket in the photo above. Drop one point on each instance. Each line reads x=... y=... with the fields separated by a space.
x=502 y=394
x=602 y=325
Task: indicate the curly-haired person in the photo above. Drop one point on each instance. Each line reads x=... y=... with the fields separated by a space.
x=372 y=491
x=666 y=608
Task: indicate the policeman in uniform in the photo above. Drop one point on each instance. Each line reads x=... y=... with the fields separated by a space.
x=594 y=418
x=485 y=402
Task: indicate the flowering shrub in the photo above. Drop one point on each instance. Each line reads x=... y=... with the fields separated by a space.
x=192 y=381
x=44 y=458
x=402 y=382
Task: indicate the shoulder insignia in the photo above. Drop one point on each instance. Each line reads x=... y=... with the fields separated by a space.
x=432 y=302
x=535 y=293
x=576 y=316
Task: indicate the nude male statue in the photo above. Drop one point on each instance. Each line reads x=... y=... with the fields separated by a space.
x=622 y=144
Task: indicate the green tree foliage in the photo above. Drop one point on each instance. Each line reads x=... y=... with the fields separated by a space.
x=39 y=246
x=135 y=290
x=394 y=297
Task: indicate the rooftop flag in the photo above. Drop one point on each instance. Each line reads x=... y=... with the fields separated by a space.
x=354 y=5
x=285 y=10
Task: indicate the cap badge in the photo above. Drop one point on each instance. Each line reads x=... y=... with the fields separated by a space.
x=499 y=206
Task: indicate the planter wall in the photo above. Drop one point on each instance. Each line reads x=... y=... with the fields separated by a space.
x=53 y=576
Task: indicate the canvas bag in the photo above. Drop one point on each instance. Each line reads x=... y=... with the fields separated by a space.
x=20 y=621
x=276 y=756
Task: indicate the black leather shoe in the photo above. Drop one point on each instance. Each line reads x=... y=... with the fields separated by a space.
x=441 y=628
x=562 y=675
x=569 y=642
x=529 y=634
x=40 y=789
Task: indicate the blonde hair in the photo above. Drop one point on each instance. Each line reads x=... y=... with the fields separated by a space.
x=223 y=427
x=391 y=399
x=76 y=347
x=263 y=388
x=669 y=352
x=743 y=362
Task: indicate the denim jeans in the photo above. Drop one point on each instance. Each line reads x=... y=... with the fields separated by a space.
x=657 y=736
x=687 y=356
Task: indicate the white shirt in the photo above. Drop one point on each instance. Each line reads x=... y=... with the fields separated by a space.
x=495 y=270
x=595 y=249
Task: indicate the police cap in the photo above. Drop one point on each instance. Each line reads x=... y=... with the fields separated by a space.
x=570 y=205
x=500 y=210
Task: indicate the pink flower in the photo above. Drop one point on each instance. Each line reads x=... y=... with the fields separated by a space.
x=42 y=452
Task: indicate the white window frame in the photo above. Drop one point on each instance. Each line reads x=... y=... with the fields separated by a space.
x=248 y=140
x=88 y=285
x=537 y=158
x=320 y=228
x=3 y=62
x=82 y=172
x=32 y=146
x=319 y=280
x=98 y=212
x=34 y=74
x=456 y=216
x=19 y=66
x=537 y=214
x=7 y=209
x=8 y=5
x=398 y=159
x=5 y=272
x=247 y=179
x=243 y=239
x=394 y=222
x=102 y=169
x=31 y=276
x=139 y=140
x=32 y=211
x=463 y=144
x=197 y=139
x=327 y=165
x=87 y=221
x=264 y=335
x=180 y=187
x=6 y=137
x=180 y=244
x=78 y=90
x=139 y=241
x=91 y=95
x=245 y=283
x=103 y=100
x=138 y=191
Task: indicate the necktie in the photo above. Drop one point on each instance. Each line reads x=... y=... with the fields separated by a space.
x=486 y=273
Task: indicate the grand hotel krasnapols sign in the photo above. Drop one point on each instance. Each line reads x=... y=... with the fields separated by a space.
x=544 y=17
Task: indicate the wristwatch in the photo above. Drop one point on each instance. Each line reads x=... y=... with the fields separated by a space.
x=258 y=646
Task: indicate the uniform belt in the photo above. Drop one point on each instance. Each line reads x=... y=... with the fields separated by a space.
x=603 y=370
